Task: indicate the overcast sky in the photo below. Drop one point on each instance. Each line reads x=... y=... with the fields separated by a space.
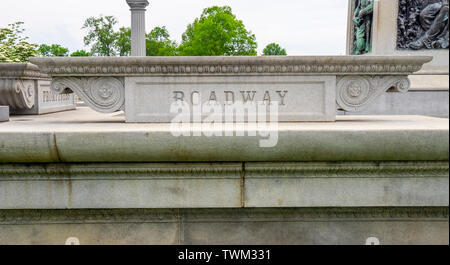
x=303 y=27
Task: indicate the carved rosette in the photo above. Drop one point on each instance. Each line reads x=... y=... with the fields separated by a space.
x=18 y=94
x=355 y=93
x=103 y=94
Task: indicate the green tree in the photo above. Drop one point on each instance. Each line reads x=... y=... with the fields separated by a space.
x=80 y=53
x=159 y=43
x=54 y=50
x=123 y=41
x=101 y=35
x=13 y=46
x=274 y=49
x=217 y=32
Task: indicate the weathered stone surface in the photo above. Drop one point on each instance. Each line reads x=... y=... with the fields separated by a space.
x=120 y=186
x=4 y=113
x=314 y=226
x=346 y=185
x=231 y=185
x=27 y=91
x=106 y=138
x=415 y=102
x=359 y=80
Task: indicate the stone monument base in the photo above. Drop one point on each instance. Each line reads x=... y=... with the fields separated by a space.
x=94 y=179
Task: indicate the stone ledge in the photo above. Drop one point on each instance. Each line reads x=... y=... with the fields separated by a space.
x=85 y=136
x=234 y=185
x=217 y=65
x=86 y=216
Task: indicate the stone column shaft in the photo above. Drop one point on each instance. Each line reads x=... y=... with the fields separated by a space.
x=138 y=43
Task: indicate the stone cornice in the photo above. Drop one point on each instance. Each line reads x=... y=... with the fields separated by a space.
x=289 y=65
x=152 y=171
x=223 y=215
x=137 y=4
x=21 y=71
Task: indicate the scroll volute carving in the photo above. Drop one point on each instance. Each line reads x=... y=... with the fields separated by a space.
x=355 y=93
x=18 y=93
x=103 y=94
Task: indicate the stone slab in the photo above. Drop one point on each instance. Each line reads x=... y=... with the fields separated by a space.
x=424 y=82
x=224 y=185
x=346 y=184
x=433 y=103
x=4 y=113
x=307 y=226
x=107 y=186
x=300 y=98
x=107 y=138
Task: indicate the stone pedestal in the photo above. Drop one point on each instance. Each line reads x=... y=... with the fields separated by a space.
x=432 y=81
x=138 y=42
x=27 y=91
x=4 y=113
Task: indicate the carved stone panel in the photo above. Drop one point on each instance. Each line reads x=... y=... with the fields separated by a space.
x=26 y=91
x=300 y=98
x=423 y=24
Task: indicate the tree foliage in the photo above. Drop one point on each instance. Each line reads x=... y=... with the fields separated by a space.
x=80 y=53
x=13 y=46
x=159 y=43
x=274 y=49
x=217 y=32
x=123 y=41
x=101 y=35
x=54 y=50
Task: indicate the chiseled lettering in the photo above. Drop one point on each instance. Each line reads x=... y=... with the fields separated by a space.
x=282 y=95
x=229 y=97
x=178 y=95
x=213 y=96
x=266 y=98
x=248 y=96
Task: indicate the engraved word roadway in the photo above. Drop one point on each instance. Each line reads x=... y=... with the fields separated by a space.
x=230 y=97
x=299 y=98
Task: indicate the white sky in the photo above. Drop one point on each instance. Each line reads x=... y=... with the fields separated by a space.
x=303 y=27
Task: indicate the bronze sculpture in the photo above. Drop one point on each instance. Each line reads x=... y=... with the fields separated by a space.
x=423 y=24
x=363 y=27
